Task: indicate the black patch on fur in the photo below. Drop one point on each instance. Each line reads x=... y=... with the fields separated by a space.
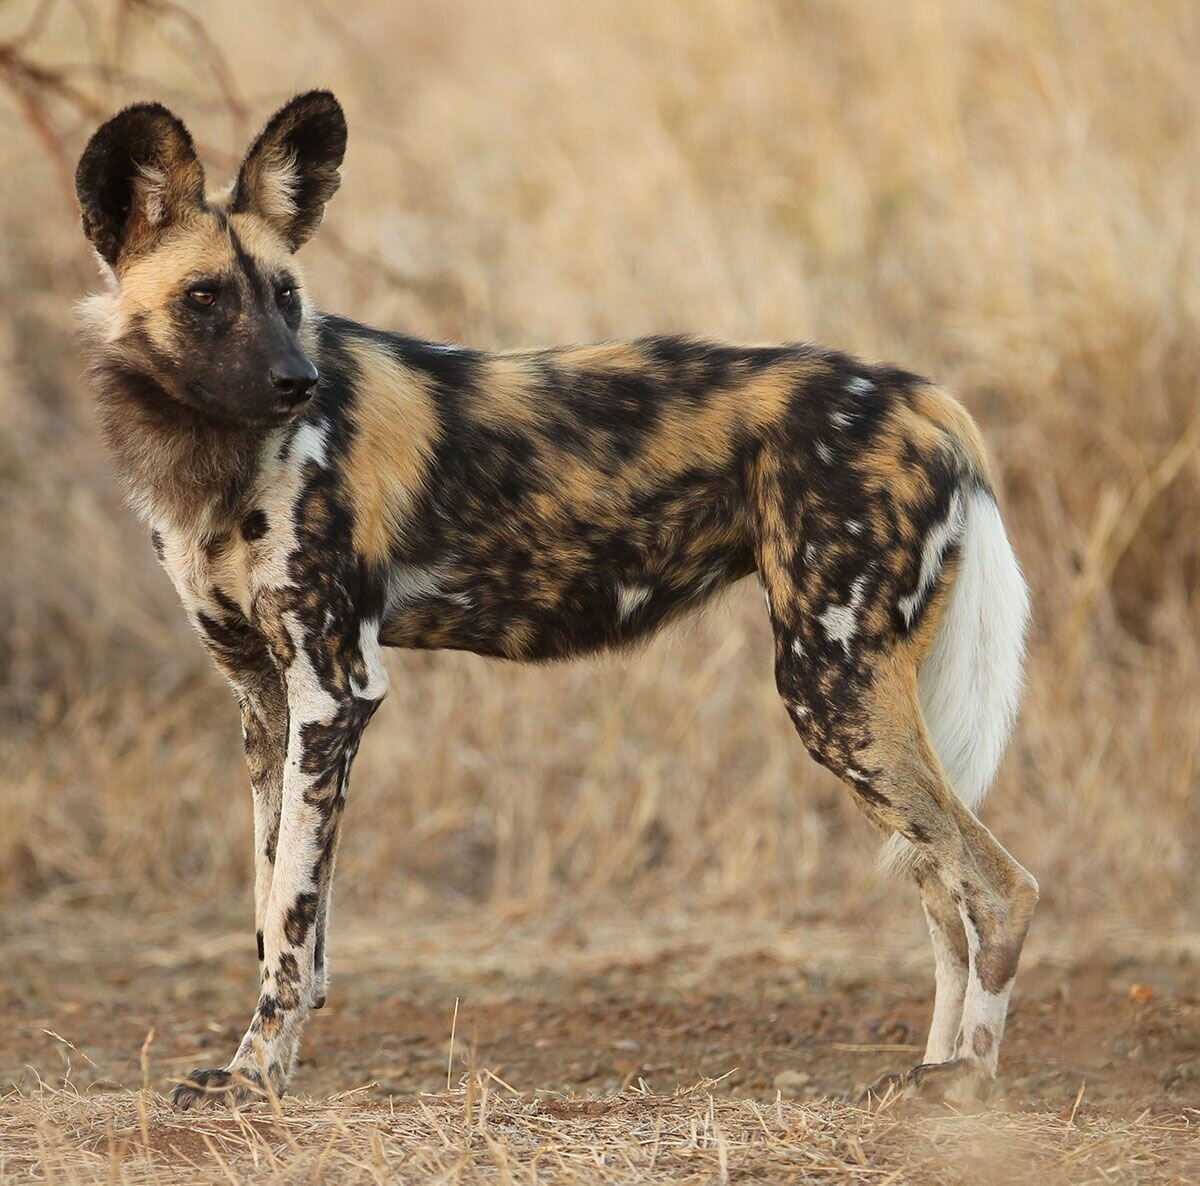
x=870 y=794
x=300 y=917
x=259 y=288
x=255 y=525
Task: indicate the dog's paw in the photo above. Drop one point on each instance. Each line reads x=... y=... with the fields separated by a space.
x=959 y=1084
x=217 y=1085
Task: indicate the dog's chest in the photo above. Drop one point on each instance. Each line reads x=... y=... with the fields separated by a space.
x=221 y=572
x=214 y=576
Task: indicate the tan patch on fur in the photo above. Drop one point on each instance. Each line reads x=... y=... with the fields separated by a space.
x=939 y=407
x=263 y=244
x=687 y=435
x=614 y=357
x=517 y=638
x=776 y=538
x=885 y=468
x=395 y=430
x=509 y=382
x=507 y=393
x=190 y=249
x=916 y=645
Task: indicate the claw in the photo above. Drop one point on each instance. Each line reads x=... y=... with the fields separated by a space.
x=217 y=1086
x=960 y=1083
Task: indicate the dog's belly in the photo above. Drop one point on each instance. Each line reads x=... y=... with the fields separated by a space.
x=524 y=612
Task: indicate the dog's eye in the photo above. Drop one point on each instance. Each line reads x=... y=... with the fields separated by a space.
x=202 y=296
x=284 y=296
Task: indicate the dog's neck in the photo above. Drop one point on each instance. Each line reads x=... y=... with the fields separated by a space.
x=181 y=470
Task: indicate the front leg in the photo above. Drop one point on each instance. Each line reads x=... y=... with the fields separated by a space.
x=264 y=735
x=327 y=713
x=244 y=654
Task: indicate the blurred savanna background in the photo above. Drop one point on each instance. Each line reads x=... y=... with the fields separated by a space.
x=1000 y=195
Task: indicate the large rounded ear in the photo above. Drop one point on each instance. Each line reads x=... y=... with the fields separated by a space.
x=291 y=170
x=138 y=174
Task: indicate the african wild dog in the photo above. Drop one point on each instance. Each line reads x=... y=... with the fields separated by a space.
x=318 y=490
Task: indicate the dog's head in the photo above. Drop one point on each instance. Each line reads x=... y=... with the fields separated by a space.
x=205 y=297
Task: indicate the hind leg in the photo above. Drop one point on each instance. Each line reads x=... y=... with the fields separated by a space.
x=951 y=956
x=863 y=721
x=952 y=962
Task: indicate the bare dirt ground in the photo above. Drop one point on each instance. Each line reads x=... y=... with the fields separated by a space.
x=577 y=1017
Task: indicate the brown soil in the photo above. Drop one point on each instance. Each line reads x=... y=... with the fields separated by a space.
x=588 y=1009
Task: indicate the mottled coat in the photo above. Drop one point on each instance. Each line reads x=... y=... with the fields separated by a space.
x=317 y=490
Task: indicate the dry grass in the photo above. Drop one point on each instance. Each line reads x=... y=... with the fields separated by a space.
x=1002 y=195
x=483 y=1132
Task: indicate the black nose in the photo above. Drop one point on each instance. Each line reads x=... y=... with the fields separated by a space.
x=294 y=382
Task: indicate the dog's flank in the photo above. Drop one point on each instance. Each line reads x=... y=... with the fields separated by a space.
x=538 y=505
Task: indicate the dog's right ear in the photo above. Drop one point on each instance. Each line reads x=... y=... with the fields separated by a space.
x=138 y=174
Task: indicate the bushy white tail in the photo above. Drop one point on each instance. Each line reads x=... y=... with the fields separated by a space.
x=970 y=682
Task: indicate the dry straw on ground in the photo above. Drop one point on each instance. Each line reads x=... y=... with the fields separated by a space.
x=485 y=1133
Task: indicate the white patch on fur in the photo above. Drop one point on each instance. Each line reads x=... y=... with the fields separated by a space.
x=275 y=191
x=840 y=420
x=408 y=584
x=937 y=542
x=824 y=452
x=840 y=622
x=797 y=648
x=950 y=975
x=860 y=386
x=97 y=314
x=151 y=186
x=630 y=598
x=970 y=682
x=368 y=646
x=309 y=444
x=308 y=699
x=854 y=526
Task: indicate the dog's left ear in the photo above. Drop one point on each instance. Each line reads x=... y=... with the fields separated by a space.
x=291 y=170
